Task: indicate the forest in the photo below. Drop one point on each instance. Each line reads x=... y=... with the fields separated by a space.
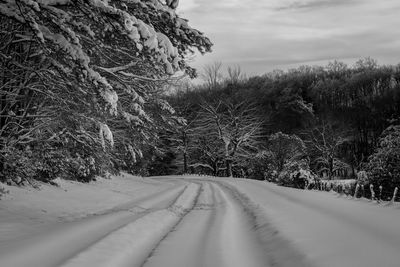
x=331 y=122
x=90 y=88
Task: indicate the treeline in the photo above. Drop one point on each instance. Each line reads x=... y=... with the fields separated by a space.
x=331 y=121
x=82 y=94
x=80 y=85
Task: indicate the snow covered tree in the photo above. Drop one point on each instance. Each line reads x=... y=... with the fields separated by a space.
x=89 y=72
x=285 y=156
x=324 y=142
x=384 y=164
x=285 y=149
x=181 y=138
x=261 y=166
x=236 y=127
x=206 y=152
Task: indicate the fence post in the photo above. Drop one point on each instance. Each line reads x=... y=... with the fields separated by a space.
x=380 y=193
x=356 y=191
x=394 y=195
x=371 y=188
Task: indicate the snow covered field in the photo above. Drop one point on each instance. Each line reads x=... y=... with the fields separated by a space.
x=192 y=221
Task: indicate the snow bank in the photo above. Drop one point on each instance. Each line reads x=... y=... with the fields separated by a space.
x=26 y=210
x=340 y=182
x=131 y=245
x=329 y=230
x=55 y=243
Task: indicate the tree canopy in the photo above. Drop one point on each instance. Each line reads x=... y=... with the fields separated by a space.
x=328 y=121
x=87 y=75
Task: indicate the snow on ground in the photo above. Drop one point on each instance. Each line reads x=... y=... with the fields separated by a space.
x=327 y=229
x=130 y=245
x=190 y=221
x=55 y=243
x=25 y=209
x=216 y=232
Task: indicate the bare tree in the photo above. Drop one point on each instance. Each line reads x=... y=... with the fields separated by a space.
x=324 y=143
x=212 y=75
x=285 y=148
x=182 y=140
x=208 y=152
x=236 y=126
x=235 y=74
x=183 y=133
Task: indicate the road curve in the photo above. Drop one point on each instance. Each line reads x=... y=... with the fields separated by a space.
x=196 y=222
x=208 y=222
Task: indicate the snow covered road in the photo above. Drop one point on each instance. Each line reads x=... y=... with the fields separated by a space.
x=216 y=232
x=217 y=222
x=328 y=229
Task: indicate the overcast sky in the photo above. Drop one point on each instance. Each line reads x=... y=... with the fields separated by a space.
x=262 y=35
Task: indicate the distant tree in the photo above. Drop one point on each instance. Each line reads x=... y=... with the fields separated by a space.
x=384 y=164
x=237 y=126
x=323 y=142
x=235 y=75
x=291 y=112
x=181 y=136
x=212 y=75
x=206 y=152
x=284 y=149
x=337 y=69
x=354 y=104
x=261 y=166
x=364 y=64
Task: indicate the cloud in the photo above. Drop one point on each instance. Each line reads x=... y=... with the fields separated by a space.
x=187 y=5
x=263 y=35
x=315 y=4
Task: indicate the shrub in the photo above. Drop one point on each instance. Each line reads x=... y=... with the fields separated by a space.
x=384 y=165
x=3 y=191
x=44 y=162
x=18 y=165
x=296 y=174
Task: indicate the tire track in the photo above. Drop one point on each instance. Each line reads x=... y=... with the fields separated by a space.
x=216 y=232
x=131 y=244
x=279 y=251
x=74 y=237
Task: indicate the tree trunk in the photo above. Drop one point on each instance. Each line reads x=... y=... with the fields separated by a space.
x=185 y=163
x=330 y=168
x=215 y=168
x=228 y=163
